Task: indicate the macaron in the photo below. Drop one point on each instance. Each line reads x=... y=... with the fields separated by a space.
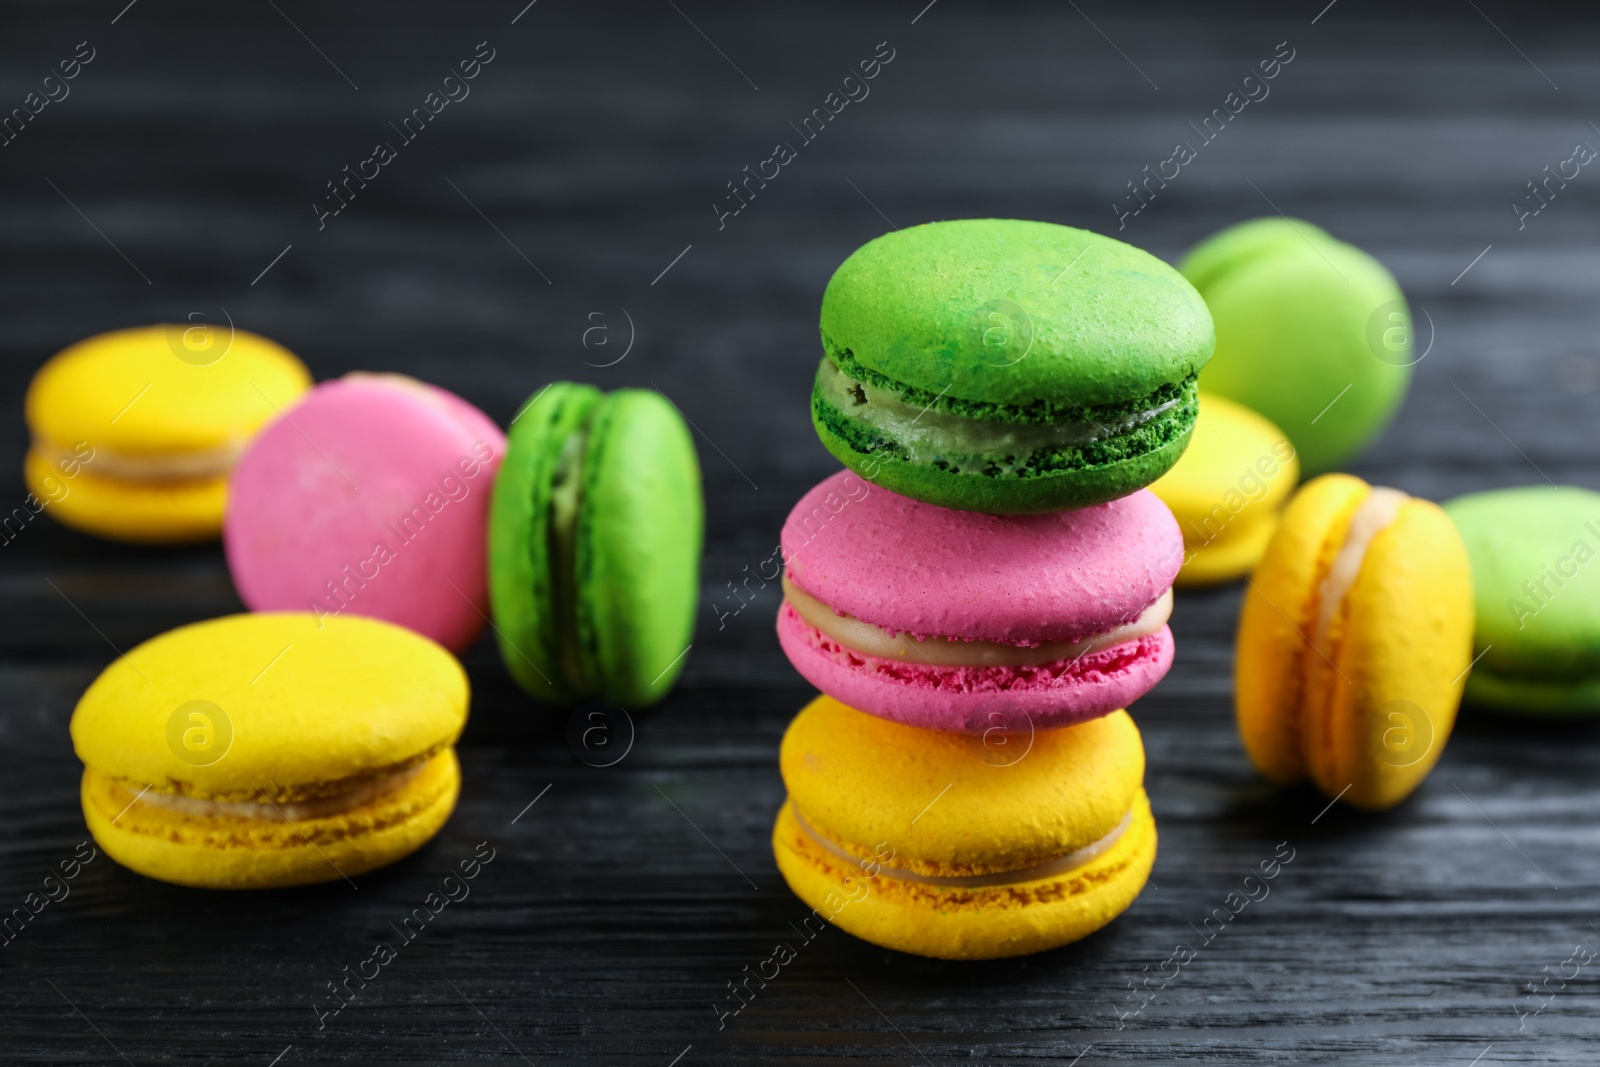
x=1227 y=490
x=1008 y=367
x=1355 y=639
x=135 y=431
x=594 y=545
x=961 y=621
x=1537 y=645
x=370 y=497
x=257 y=751
x=1313 y=333
x=940 y=845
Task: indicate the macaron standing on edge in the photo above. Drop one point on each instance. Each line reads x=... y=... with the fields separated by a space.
x=1354 y=642
x=370 y=497
x=266 y=750
x=962 y=621
x=1008 y=367
x=1312 y=332
x=594 y=545
x=135 y=431
x=918 y=841
x=1536 y=579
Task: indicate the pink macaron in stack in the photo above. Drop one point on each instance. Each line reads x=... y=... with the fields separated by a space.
x=993 y=625
x=984 y=624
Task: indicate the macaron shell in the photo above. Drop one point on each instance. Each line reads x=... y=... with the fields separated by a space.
x=1105 y=322
x=1301 y=326
x=130 y=392
x=169 y=512
x=913 y=567
x=1380 y=707
x=370 y=497
x=639 y=536
x=981 y=699
x=1537 y=589
x=306 y=702
x=1227 y=489
x=998 y=807
x=521 y=579
x=1116 y=470
x=1277 y=618
x=235 y=853
x=967 y=924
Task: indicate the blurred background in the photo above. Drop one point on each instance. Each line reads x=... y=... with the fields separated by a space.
x=570 y=217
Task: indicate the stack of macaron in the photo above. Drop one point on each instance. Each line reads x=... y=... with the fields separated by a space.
x=986 y=587
x=373 y=524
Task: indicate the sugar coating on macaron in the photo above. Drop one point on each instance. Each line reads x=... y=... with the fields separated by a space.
x=370 y=497
x=957 y=620
x=1354 y=642
x=1228 y=490
x=1006 y=366
x=270 y=749
x=956 y=847
x=135 y=431
x=1312 y=332
x=1537 y=587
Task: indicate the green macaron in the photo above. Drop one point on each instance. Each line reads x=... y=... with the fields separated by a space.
x=1006 y=366
x=1535 y=555
x=594 y=545
x=1313 y=333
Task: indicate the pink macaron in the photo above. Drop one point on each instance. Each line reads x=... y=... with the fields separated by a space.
x=369 y=496
x=955 y=620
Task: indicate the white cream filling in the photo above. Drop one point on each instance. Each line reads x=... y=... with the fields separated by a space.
x=138 y=467
x=1372 y=517
x=870 y=640
x=1051 y=868
x=295 y=811
x=927 y=434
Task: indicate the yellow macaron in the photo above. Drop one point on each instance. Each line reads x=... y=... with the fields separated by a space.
x=271 y=750
x=961 y=846
x=1227 y=490
x=1354 y=642
x=135 y=431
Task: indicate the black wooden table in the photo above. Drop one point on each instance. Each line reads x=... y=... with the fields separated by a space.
x=567 y=214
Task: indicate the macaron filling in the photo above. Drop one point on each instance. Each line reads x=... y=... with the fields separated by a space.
x=1374 y=515
x=288 y=810
x=149 y=467
x=566 y=499
x=1053 y=867
x=1005 y=442
x=866 y=639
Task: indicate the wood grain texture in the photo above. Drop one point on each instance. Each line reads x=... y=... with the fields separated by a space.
x=589 y=153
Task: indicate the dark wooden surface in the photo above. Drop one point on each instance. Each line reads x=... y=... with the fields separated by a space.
x=619 y=906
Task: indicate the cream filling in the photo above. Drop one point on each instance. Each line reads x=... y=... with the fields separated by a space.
x=927 y=434
x=1376 y=513
x=153 y=467
x=566 y=499
x=1051 y=868
x=870 y=640
x=295 y=811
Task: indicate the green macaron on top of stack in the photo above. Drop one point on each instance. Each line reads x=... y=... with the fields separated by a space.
x=1007 y=366
x=594 y=545
x=1312 y=332
x=1535 y=554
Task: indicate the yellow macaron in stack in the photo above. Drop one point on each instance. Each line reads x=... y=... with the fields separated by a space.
x=135 y=431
